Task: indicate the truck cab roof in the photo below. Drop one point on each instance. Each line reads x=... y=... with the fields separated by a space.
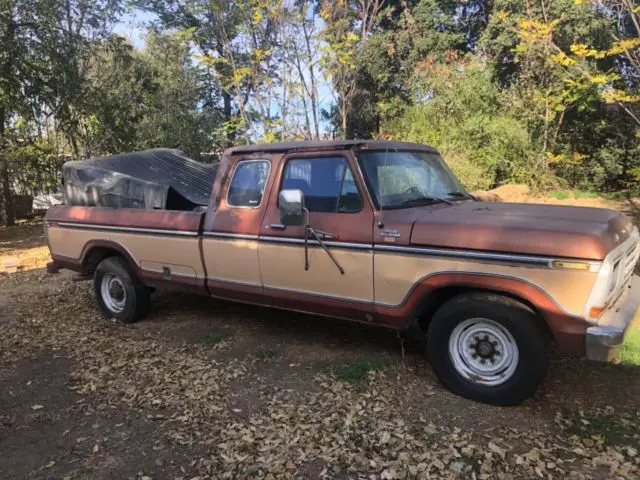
x=328 y=145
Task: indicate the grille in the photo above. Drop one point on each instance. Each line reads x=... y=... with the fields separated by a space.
x=623 y=270
x=630 y=260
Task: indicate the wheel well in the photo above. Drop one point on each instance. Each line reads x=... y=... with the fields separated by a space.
x=95 y=256
x=434 y=300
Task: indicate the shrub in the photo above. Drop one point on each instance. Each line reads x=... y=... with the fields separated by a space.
x=559 y=195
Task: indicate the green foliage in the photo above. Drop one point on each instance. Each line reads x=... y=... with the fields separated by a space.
x=600 y=424
x=630 y=352
x=35 y=168
x=217 y=338
x=460 y=114
x=180 y=107
x=356 y=371
x=266 y=353
x=559 y=195
x=584 y=194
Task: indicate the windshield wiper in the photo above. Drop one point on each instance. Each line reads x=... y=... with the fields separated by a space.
x=422 y=200
x=461 y=195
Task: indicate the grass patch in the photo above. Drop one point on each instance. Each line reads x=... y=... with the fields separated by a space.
x=584 y=194
x=630 y=351
x=601 y=425
x=355 y=371
x=216 y=338
x=620 y=195
x=266 y=353
x=559 y=195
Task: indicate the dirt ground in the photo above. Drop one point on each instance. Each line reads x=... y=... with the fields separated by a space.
x=209 y=389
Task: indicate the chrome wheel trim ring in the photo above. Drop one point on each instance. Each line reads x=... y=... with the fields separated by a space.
x=113 y=292
x=483 y=351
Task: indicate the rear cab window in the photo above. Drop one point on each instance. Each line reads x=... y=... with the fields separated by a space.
x=247 y=184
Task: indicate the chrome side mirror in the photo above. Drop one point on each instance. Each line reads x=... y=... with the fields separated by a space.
x=291 y=206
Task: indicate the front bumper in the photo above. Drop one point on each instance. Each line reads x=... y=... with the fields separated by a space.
x=605 y=339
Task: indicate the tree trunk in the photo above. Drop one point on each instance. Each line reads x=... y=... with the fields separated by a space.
x=10 y=213
x=74 y=145
x=226 y=99
x=314 y=87
x=3 y=216
x=343 y=115
x=7 y=213
x=8 y=42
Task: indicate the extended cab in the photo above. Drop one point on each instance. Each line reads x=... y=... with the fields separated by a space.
x=380 y=233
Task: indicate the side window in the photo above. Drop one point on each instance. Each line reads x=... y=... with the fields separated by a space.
x=248 y=182
x=349 y=197
x=327 y=183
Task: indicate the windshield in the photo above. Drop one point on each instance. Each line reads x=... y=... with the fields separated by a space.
x=401 y=179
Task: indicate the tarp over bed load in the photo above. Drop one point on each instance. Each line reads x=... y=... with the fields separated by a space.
x=159 y=178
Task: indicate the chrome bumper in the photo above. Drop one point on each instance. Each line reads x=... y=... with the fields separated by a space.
x=604 y=340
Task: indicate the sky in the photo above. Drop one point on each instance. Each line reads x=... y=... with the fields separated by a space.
x=134 y=25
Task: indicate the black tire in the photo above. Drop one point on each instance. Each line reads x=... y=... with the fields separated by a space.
x=126 y=307
x=530 y=336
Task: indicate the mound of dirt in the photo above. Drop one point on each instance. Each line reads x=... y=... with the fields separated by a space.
x=512 y=192
x=505 y=193
x=487 y=196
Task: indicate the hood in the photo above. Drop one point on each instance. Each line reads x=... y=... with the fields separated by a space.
x=549 y=230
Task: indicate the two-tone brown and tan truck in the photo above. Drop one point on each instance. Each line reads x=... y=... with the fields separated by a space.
x=380 y=233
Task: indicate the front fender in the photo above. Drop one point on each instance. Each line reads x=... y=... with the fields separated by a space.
x=568 y=330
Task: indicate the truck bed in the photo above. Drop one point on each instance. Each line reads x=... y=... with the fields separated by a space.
x=161 y=246
x=152 y=179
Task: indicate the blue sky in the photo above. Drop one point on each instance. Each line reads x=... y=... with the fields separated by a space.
x=133 y=27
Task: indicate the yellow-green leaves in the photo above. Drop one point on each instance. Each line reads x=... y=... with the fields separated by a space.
x=532 y=31
x=561 y=58
x=623 y=46
x=582 y=50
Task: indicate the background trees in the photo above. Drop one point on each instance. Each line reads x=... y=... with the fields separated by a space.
x=545 y=92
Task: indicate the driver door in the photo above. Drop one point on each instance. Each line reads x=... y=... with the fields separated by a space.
x=337 y=205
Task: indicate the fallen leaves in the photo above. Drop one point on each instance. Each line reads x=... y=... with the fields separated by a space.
x=500 y=451
x=376 y=429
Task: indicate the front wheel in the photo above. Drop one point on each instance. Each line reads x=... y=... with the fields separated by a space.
x=488 y=348
x=120 y=294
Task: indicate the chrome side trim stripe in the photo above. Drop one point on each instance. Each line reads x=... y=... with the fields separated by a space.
x=466 y=254
x=112 y=228
x=288 y=290
x=172 y=276
x=319 y=295
x=328 y=243
x=234 y=282
x=230 y=236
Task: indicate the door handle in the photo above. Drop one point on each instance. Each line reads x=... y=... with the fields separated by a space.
x=277 y=226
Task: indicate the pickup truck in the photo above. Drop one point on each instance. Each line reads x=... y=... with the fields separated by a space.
x=380 y=233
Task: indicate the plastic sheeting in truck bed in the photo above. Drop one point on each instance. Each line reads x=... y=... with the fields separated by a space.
x=159 y=178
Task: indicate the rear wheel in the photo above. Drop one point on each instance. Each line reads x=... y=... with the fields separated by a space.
x=121 y=296
x=488 y=348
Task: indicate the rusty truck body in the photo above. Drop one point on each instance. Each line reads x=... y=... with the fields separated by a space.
x=380 y=233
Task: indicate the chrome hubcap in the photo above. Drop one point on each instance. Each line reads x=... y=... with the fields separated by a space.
x=483 y=351
x=113 y=293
